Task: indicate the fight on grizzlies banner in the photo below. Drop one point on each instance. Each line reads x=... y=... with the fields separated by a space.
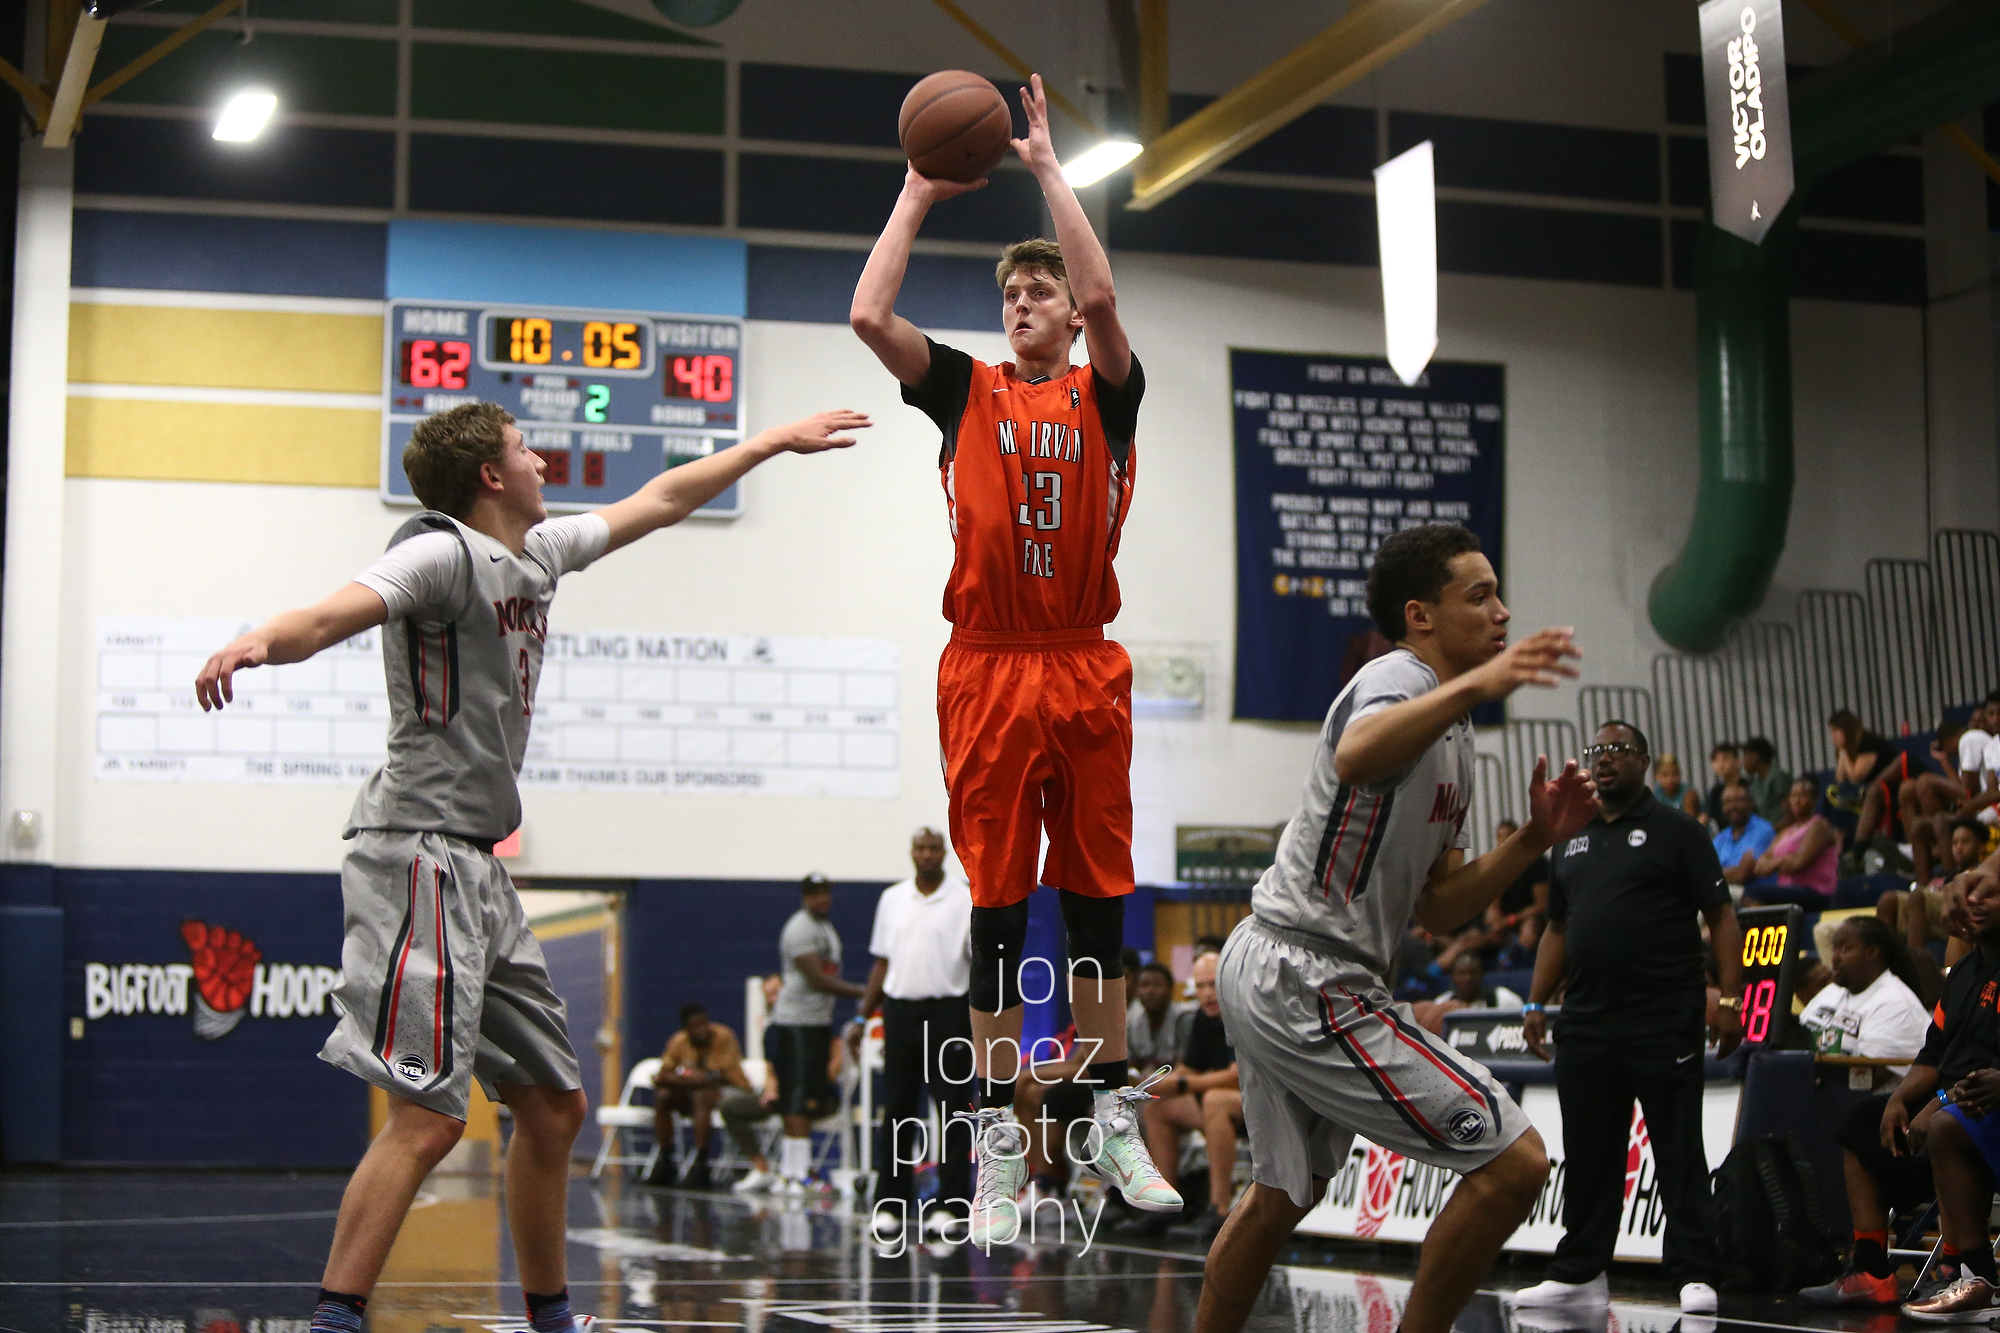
x=1333 y=454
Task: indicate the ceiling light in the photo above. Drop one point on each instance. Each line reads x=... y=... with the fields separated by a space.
x=1100 y=161
x=245 y=115
x=1406 y=220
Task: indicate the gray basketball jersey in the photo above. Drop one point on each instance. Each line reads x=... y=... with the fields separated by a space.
x=462 y=691
x=1354 y=859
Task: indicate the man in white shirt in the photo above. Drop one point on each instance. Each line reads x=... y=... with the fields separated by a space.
x=1867 y=1010
x=923 y=969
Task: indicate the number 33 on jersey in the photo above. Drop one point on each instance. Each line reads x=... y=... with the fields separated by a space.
x=1037 y=480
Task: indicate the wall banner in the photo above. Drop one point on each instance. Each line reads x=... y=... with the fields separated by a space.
x=1333 y=454
x=1749 y=114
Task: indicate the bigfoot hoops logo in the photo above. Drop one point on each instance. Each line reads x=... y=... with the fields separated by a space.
x=1635 y=1152
x=230 y=981
x=1380 y=1176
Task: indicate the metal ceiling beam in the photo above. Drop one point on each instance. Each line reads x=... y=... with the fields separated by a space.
x=1373 y=33
x=66 y=107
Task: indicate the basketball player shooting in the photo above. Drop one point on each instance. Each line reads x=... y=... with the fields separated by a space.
x=1380 y=837
x=441 y=980
x=1034 y=704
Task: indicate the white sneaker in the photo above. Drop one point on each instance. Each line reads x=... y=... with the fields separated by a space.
x=1543 y=1295
x=790 y=1187
x=1122 y=1160
x=887 y=1226
x=1697 y=1298
x=756 y=1182
x=1000 y=1166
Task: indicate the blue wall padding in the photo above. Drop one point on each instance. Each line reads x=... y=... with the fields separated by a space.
x=202 y=253
x=31 y=1033
x=143 y=1088
x=697 y=939
x=559 y=266
x=817 y=287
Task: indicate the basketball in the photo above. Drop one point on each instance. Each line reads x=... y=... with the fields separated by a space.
x=954 y=126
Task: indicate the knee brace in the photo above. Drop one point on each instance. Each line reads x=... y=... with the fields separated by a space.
x=999 y=936
x=1096 y=937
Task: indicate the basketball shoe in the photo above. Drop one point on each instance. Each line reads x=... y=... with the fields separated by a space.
x=1122 y=1160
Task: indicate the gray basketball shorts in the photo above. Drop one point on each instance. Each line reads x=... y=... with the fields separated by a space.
x=441 y=980
x=1324 y=1055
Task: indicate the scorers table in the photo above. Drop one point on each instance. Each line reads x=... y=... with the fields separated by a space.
x=608 y=398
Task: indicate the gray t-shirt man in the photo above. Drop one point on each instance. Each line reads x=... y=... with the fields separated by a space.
x=798 y=1003
x=1147 y=1048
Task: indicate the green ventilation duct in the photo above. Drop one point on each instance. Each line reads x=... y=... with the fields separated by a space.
x=1926 y=74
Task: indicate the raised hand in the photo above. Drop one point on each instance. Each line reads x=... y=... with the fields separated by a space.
x=1540 y=659
x=1561 y=808
x=212 y=687
x=817 y=433
x=1038 y=151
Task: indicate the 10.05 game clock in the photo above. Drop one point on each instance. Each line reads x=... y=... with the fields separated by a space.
x=609 y=399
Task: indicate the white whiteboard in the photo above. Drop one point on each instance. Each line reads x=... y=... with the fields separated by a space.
x=615 y=710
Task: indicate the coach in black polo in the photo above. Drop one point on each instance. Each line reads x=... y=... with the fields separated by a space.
x=1623 y=938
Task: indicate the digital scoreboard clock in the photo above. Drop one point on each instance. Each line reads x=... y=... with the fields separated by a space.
x=1773 y=939
x=609 y=399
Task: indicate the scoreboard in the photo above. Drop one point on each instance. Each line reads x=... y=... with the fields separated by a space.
x=608 y=398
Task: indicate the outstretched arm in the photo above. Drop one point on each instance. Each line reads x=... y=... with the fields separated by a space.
x=291 y=636
x=897 y=343
x=1383 y=744
x=1084 y=259
x=678 y=492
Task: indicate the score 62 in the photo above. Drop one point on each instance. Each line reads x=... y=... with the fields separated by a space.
x=430 y=364
x=708 y=379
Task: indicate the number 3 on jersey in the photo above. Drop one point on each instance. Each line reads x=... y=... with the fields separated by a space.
x=1047 y=515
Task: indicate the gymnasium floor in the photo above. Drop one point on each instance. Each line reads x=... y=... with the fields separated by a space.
x=213 y=1252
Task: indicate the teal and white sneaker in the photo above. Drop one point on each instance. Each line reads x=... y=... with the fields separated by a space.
x=1122 y=1160
x=1000 y=1159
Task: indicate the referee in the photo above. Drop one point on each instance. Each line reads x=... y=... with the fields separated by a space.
x=923 y=968
x=1622 y=940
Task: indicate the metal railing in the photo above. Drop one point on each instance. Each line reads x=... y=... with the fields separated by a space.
x=1922 y=637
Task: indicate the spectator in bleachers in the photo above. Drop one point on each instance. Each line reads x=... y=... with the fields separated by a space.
x=1768 y=783
x=1670 y=790
x=1869 y=1007
x=1156 y=1029
x=1957 y=1061
x=701 y=1071
x=1741 y=836
x=1514 y=919
x=1802 y=863
x=1979 y=761
x=1468 y=991
x=1725 y=765
x=1867 y=773
x=1200 y=1092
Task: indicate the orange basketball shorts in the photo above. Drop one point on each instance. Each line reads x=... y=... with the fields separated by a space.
x=1037 y=734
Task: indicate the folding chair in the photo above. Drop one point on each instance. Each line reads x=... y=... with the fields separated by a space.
x=628 y=1115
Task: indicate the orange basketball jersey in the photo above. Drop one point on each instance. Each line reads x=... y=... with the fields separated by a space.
x=1037 y=480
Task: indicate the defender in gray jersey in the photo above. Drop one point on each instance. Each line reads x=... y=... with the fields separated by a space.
x=1322 y=1051
x=441 y=979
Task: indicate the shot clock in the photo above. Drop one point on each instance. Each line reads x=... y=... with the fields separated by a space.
x=609 y=399
x=1772 y=940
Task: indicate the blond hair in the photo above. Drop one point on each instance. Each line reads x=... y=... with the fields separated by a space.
x=444 y=455
x=1035 y=252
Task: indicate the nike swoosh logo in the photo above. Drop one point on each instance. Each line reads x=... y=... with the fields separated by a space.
x=1684 y=1059
x=496 y=559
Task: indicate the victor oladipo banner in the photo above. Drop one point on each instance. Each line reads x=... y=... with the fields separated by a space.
x=1749 y=118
